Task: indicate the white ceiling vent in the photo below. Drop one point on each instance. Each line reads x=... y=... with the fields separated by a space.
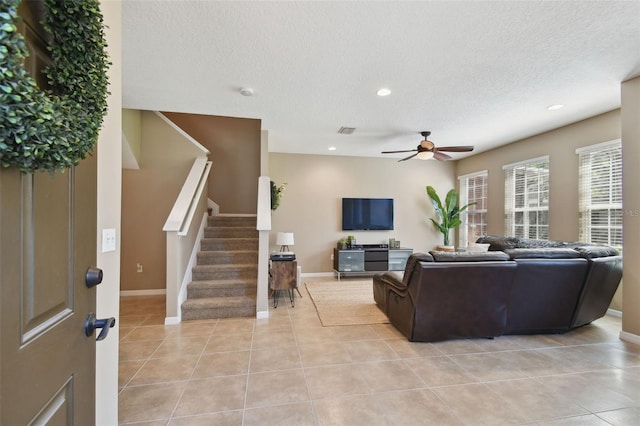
x=346 y=130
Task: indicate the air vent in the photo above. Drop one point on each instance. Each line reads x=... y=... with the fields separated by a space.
x=346 y=130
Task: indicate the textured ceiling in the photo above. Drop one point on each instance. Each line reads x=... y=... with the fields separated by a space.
x=474 y=73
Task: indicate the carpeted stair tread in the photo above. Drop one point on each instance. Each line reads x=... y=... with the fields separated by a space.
x=231 y=221
x=230 y=267
x=218 y=307
x=224 y=283
x=224 y=272
x=231 y=232
x=222 y=288
x=219 y=302
x=220 y=244
x=220 y=257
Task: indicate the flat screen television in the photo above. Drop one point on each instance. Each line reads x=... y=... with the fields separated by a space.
x=367 y=214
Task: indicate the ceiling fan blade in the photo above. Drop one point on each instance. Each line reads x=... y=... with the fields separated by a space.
x=441 y=156
x=456 y=148
x=395 y=152
x=408 y=158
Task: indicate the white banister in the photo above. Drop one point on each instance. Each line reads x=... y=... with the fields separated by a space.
x=263 y=225
x=183 y=234
x=183 y=209
x=263 y=222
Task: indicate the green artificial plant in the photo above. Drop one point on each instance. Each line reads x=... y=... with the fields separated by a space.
x=448 y=213
x=53 y=129
x=276 y=194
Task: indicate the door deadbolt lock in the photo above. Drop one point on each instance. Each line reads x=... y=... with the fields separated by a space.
x=93 y=277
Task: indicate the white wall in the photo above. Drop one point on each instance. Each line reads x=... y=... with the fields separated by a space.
x=109 y=194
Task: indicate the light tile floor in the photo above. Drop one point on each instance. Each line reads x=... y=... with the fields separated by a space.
x=290 y=370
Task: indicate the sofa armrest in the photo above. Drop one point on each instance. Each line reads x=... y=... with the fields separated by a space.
x=383 y=284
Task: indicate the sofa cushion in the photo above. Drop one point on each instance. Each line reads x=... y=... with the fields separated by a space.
x=542 y=253
x=445 y=256
x=591 y=252
x=535 y=243
x=498 y=243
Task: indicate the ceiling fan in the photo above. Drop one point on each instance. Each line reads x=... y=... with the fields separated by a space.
x=428 y=149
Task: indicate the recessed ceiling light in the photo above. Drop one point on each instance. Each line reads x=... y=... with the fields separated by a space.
x=555 y=107
x=246 y=91
x=383 y=92
x=332 y=148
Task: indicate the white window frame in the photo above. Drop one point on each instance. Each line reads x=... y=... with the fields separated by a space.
x=521 y=205
x=467 y=229
x=609 y=206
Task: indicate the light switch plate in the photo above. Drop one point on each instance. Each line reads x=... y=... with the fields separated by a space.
x=108 y=240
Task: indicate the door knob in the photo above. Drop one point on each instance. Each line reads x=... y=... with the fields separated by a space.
x=92 y=323
x=93 y=277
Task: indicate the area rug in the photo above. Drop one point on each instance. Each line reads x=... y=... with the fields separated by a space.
x=345 y=302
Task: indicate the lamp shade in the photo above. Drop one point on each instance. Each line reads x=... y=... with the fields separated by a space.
x=425 y=155
x=284 y=239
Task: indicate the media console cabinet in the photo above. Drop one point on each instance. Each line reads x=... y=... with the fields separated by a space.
x=369 y=259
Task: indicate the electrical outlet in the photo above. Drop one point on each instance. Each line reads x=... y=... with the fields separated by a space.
x=139 y=267
x=332 y=257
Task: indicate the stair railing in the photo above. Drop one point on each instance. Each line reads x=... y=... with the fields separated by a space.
x=183 y=234
x=263 y=226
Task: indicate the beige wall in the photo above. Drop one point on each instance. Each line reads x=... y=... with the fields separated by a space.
x=131 y=128
x=147 y=198
x=311 y=204
x=235 y=151
x=560 y=145
x=631 y=177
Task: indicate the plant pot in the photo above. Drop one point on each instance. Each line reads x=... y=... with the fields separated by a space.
x=449 y=249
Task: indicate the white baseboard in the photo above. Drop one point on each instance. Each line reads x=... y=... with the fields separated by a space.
x=629 y=337
x=154 y=292
x=262 y=315
x=614 y=313
x=172 y=320
x=317 y=274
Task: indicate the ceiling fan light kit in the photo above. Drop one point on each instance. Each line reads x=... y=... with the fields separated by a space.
x=427 y=150
x=425 y=155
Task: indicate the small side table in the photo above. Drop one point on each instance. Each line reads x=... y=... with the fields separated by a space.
x=284 y=277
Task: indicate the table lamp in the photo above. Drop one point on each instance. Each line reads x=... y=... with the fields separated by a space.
x=284 y=240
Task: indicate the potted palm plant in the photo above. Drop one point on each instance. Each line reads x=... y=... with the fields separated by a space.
x=448 y=213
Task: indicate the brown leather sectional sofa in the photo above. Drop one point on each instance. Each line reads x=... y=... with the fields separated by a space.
x=520 y=286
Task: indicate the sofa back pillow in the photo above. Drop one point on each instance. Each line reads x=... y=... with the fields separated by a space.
x=542 y=253
x=445 y=256
x=498 y=243
x=591 y=252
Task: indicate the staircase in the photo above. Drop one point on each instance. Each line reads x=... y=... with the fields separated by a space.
x=226 y=274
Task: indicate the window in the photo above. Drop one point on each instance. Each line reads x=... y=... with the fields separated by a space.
x=526 y=198
x=473 y=189
x=600 y=193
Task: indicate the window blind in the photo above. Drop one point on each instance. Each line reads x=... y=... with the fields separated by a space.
x=600 y=193
x=527 y=199
x=473 y=189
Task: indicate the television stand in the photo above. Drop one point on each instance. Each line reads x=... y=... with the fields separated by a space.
x=369 y=259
